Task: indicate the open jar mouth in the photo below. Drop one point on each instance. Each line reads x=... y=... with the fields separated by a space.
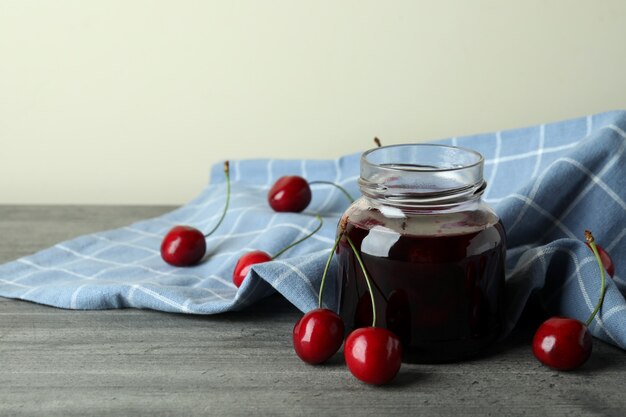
x=422 y=174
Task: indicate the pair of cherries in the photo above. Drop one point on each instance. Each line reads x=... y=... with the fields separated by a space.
x=564 y=343
x=372 y=354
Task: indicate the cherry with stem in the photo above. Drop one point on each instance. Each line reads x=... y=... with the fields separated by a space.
x=185 y=245
x=242 y=268
x=318 y=335
x=373 y=354
x=293 y=194
x=564 y=343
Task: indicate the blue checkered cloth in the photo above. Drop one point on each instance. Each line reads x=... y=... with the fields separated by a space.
x=548 y=184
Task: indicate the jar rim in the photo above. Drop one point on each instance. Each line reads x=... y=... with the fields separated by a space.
x=422 y=174
x=415 y=168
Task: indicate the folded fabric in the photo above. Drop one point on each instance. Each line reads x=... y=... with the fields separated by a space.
x=548 y=184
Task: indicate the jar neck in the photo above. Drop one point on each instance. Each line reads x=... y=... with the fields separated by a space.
x=422 y=175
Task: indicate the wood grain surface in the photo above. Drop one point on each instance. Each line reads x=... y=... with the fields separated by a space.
x=57 y=362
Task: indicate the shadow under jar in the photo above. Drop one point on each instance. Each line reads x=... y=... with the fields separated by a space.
x=433 y=249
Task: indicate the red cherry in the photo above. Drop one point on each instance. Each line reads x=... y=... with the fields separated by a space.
x=183 y=246
x=318 y=335
x=562 y=343
x=373 y=354
x=607 y=262
x=290 y=194
x=245 y=262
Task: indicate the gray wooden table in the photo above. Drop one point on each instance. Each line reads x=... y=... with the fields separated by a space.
x=143 y=363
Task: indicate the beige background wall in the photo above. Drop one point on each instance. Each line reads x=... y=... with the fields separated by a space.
x=131 y=101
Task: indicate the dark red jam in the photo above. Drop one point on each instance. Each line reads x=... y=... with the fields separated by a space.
x=439 y=289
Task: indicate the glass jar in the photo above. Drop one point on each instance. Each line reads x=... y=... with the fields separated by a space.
x=433 y=249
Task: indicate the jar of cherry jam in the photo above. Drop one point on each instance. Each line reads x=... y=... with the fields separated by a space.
x=433 y=249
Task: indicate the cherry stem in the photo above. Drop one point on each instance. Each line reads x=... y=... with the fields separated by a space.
x=343 y=190
x=367 y=279
x=377 y=142
x=286 y=248
x=591 y=241
x=227 y=175
x=330 y=257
